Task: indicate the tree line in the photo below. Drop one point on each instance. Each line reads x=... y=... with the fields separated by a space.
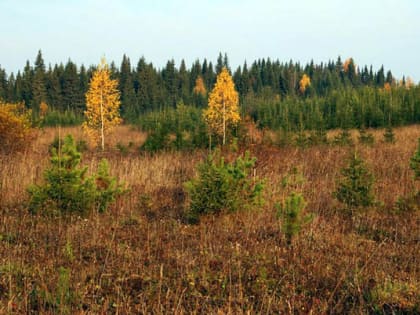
x=275 y=94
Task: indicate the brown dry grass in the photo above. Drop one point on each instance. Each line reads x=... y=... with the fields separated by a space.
x=141 y=258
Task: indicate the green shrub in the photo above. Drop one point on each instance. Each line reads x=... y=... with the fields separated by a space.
x=343 y=138
x=355 y=187
x=107 y=187
x=222 y=186
x=415 y=162
x=67 y=189
x=389 y=136
x=291 y=213
x=366 y=137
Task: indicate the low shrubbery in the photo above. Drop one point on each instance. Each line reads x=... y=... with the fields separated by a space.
x=15 y=127
x=67 y=188
x=222 y=186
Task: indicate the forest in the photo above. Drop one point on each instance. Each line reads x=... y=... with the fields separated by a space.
x=337 y=94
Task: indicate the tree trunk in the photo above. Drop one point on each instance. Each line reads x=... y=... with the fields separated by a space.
x=224 y=122
x=102 y=123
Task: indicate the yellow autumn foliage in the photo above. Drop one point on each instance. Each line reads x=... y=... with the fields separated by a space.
x=409 y=83
x=15 y=126
x=102 y=105
x=43 y=109
x=199 y=87
x=223 y=109
x=304 y=83
x=347 y=64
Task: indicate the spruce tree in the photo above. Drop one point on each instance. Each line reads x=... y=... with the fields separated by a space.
x=389 y=136
x=415 y=162
x=355 y=186
x=39 y=93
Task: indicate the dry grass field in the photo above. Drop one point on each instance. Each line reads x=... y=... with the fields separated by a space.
x=140 y=257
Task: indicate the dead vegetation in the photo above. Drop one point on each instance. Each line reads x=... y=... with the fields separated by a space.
x=141 y=257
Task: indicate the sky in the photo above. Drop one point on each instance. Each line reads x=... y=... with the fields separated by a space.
x=373 y=32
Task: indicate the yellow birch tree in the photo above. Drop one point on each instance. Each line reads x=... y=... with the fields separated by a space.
x=102 y=105
x=223 y=110
x=304 y=83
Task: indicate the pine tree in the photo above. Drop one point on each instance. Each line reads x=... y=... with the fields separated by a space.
x=355 y=187
x=183 y=83
x=415 y=162
x=223 y=108
x=102 y=105
x=389 y=136
x=72 y=96
x=39 y=93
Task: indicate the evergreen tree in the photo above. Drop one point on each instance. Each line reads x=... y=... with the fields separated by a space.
x=183 y=87
x=389 y=136
x=39 y=93
x=170 y=82
x=219 y=64
x=415 y=162
x=3 y=85
x=72 y=95
x=355 y=187
x=26 y=89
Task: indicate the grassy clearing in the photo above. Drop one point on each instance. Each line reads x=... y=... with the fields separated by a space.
x=140 y=257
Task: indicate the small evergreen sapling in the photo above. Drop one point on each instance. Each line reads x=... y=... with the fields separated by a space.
x=291 y=213
x=222 y=186
x=67 y=189
x=389 y=136
x=365 y=137
x=415 y=162
x=343 y=138
x=355 y=187
x=291 y=210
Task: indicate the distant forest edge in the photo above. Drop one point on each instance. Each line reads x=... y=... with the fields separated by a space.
x=276 y=95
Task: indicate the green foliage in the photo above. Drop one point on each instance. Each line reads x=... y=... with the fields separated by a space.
x=291 y=213
x=395 y=297
x=343 y=138
x=406 y=204
x=366 y=137
x=178 y=129
x=355 y=187
x=67 y=189
x=222 y=186
x=415 y=162
x=81 y=145
x=61 y=118
x=107 y=187
x=389 y=136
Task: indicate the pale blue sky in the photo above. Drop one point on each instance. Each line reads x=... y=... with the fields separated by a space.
x=371 y=31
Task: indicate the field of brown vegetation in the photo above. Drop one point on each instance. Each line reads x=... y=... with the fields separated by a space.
x=140 y=257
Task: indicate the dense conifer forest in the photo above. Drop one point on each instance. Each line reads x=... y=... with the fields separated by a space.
x=275 y=94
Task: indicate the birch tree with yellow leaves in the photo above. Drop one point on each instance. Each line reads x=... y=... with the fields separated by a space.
x=304 y=83
x=102 y=105
x=223 y=110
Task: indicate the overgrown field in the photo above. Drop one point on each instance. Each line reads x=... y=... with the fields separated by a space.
x=142 y=257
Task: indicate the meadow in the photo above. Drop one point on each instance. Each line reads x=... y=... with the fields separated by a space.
x=141 y=256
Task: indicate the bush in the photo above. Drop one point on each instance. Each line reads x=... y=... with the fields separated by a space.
x=67 y=189
x=15 y=126
x=222 y=186
x=366 y=137
x=355 y=187
x=415 y=162
x=291 y=212
x=343 y=138
x=389 y=136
